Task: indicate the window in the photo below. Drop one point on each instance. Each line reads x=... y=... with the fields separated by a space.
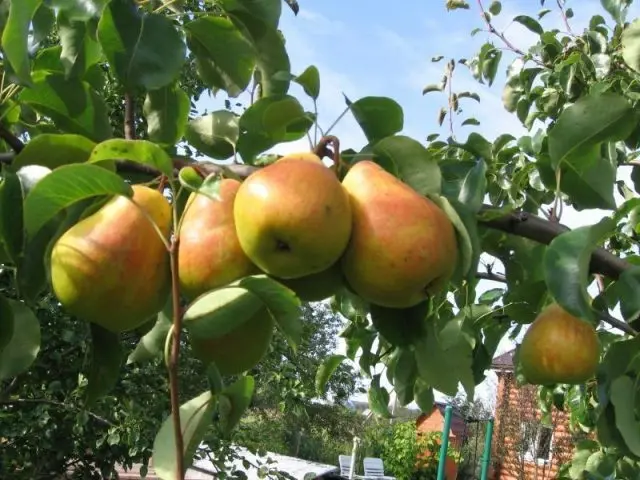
x=536 y=442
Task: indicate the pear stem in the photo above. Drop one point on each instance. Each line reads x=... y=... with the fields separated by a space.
x=321 y=150
x=175 y=353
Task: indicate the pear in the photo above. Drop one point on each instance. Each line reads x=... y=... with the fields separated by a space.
x=559 y=348
x=240 y=349
x=403 y=247
x=112 y=268
x=317 y=286
x=209 y=254
x=293 y=218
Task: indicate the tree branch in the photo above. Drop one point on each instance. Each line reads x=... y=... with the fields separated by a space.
x=494 y=277
x=527 y=225
x=14 y=142
x=129 y=117
x=42 y=401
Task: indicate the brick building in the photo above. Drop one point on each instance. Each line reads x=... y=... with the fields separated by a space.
x=524 y=448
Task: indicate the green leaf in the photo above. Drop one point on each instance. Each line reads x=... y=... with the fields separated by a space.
x=495 y=8
x=71 y=103
x=310 y=81
x=139 y=151
x=379 y=117
x=405 y=376
x=617 y=9
x=400 y=326
x=79 y=10
x=151 y=345
x=220 y=311
x=6 y=323
x=413 y=163
x=215 y=134
x=105 y=363
x=66 y=185
x=270 y=121
x=79 y=49
x=195 y=417
x=465 y=240
x=529 y=23
x=144 y=49
x=378 y=398
x=474 y=187
x=225 y=58
x=471 y=121
x=444 y=368
x=631 y=45
x=53 y=150
x=43 y=21
x=20 y=352
x=32 y=274
x=476 y=145
x=623 y=396
x=423 y=395
x=15 y=37
x=11 y=214
x=166 y=111
x=433 y=87
x=588 y=182
x=268 y=11
x=239 y=396
x=325 y=370
x=566 y=266
x=627 y=288
x=272 y=58
x=282 y=303
x=583 y=126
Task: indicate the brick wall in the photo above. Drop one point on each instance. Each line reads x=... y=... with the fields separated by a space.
x=516 y=414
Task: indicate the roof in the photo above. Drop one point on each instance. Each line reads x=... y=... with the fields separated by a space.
x=294 y=468
x=504 y=362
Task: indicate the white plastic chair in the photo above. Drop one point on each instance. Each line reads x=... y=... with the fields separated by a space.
x=345 y=465
x=374 y=468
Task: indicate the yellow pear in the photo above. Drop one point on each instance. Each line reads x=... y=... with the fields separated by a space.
x=209 y=254
x=317 y=286
x=403 y=247
x=559 y=348
x=112 y=268
x=293 y=218
x=240 y=349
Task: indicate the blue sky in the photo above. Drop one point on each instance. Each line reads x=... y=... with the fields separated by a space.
x=371 y=47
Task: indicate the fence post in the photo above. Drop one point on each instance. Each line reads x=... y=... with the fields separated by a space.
x=444 y=446
x=486 y=456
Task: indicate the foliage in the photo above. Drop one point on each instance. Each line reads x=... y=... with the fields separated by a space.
x=63 y=103
x=407 y=454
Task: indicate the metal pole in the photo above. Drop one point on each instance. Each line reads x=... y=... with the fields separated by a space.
x=486 y=456
x=445 y=442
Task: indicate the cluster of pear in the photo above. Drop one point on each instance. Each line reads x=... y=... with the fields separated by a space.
x=293 y=220
x=559 y=348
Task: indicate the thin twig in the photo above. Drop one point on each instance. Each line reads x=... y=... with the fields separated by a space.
x=501 y=36
x=175 y=355
x=43 y=401
x=14 y=142
x=129 y=117
x=563 y=13
x=450 y=68
x=604 y=316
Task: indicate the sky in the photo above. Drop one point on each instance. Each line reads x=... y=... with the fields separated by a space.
x=369 y=47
